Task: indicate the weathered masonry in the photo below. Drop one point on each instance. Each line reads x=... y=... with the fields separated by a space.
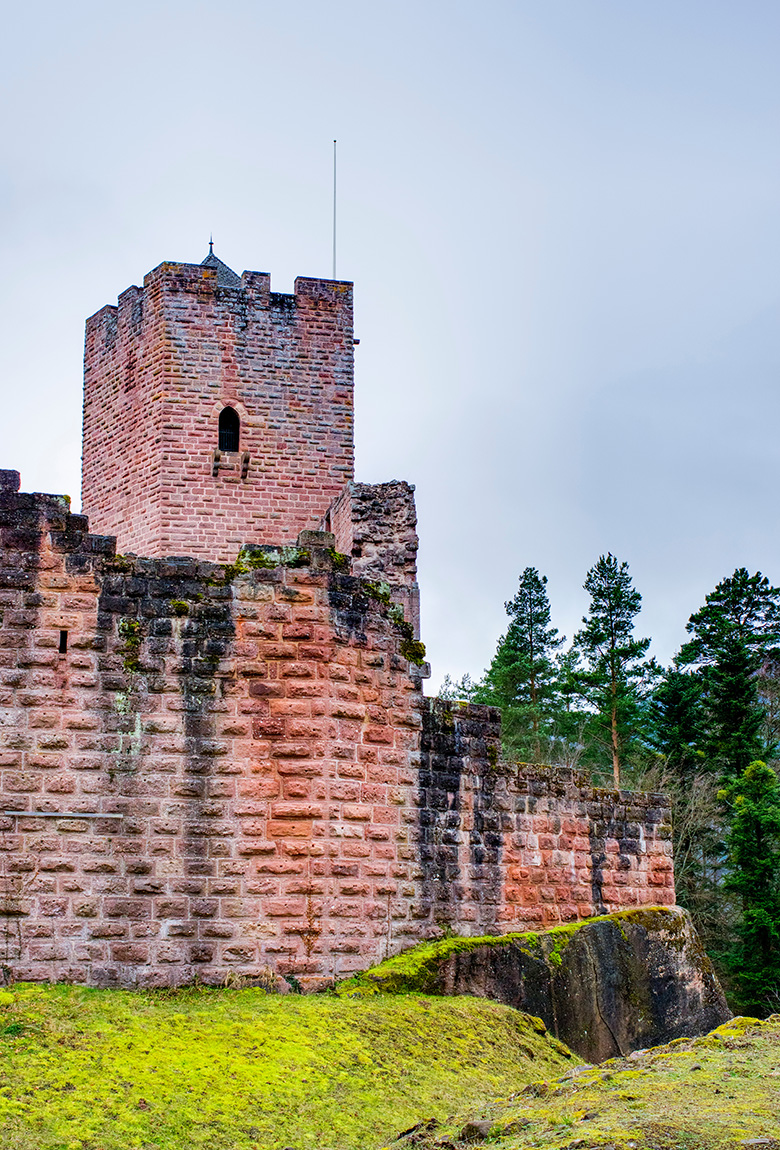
x=211 y=766
x=216 y=411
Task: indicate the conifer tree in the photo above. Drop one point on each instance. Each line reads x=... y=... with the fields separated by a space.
x=754 y=876
x=616 y=678
x=677 y=721
x=734 y=635
x=570 y=706
x=522 y=677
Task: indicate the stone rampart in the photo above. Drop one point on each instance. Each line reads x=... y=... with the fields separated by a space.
x=209 y=768
x=375 y=524
x=508 y=846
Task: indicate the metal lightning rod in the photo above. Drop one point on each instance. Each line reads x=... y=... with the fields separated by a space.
x=334 y=209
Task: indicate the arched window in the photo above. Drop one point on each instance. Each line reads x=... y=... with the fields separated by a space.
x=229 y=425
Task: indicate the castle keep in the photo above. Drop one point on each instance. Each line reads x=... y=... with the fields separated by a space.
x=216 y=411
x=215 y=751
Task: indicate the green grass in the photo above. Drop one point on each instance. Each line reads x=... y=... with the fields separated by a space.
x=88 y=1069
x=708 y=1093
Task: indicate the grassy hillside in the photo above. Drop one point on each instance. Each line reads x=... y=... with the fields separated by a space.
x=241 y=1070
x=719 y=1092
x=238 y=1069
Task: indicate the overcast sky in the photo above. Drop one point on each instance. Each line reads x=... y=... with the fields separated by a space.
x=562 y=218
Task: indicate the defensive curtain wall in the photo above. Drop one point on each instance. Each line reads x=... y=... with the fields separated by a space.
x=209 y=768
x=225 y=762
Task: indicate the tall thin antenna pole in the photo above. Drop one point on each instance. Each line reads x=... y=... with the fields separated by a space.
x=334 y=209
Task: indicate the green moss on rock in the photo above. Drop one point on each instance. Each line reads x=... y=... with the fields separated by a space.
x=716 y=1092
x=131 y=635
x=413 y=650
x=417 y=969
x=339 y=561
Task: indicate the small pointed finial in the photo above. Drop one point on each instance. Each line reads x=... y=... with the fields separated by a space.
x=211 y=245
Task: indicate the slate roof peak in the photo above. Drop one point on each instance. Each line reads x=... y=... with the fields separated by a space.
x=226 y=277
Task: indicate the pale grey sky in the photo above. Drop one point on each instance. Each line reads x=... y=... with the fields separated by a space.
x=561 y=217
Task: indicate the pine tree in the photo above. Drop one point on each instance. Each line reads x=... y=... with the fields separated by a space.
x=522 y=676
x=677 y=721
x=461 y=690
x=754 y=876
x=570 y=707
x=735 y=634
x=616 y=679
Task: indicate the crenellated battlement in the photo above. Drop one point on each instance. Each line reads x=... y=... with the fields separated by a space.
x=161 y=366
x=251 y=287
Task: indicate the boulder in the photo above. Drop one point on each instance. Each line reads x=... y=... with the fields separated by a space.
x=605 y=987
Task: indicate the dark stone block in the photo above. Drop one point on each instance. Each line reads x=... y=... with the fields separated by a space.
x=9 y=481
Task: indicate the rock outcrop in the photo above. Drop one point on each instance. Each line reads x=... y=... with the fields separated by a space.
x=606 y=986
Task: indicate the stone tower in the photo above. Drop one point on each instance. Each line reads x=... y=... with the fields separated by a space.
x=216 y=412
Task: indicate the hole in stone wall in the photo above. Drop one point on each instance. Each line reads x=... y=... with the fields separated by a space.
x=63 y=642
x=229 y=427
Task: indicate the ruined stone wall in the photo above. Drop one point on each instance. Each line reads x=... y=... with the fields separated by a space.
x=507 y=846
x=376 y=525
x=206 y=769
x=160 y=367
x=222 y=762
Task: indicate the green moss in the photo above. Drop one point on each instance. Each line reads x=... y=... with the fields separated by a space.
x=252 y=558
x=413 y=650
x=244 y=1070
x=710 y=1093
x=417 y=969
x=340 y=562
x=119 y=564
x=377 y=590
x=179 y=607
x=131 y=635
x=554 y=942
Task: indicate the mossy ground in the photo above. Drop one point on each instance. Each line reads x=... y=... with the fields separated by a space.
x=237 y=1069
x=711 y=1093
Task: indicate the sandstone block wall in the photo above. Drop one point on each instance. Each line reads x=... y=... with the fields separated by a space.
x=206 y=769
x=160 y=367
x=508 y=846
